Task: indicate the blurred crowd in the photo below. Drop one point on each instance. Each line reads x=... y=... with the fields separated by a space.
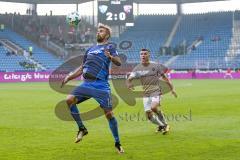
x=48 y=28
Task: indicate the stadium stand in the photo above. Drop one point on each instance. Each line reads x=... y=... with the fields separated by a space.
x=11 y=62
x=201 y=41
x=149 y=31
x=206 y=37
x=43 y=57
x=213 y=31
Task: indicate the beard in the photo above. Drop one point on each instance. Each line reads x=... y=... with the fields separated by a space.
x=99 y=39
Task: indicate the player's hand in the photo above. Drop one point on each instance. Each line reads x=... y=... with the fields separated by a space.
x=174 y=93
x=64 y=81
x=130 y=86
x=107 y=54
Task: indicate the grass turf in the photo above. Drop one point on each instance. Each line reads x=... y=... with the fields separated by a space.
x=204 y=122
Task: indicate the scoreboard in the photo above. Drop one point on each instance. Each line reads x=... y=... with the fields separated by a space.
x=115 y=12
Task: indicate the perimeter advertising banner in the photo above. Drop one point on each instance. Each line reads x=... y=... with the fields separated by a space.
x=44 y=76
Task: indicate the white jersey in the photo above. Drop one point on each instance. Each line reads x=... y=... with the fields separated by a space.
x=149 y=76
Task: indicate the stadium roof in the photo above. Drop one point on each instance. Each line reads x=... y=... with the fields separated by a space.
x=82 y=1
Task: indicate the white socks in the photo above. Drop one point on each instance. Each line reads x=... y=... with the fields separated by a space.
x=154 y=119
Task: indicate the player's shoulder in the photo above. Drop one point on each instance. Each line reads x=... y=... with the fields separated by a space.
x=153 y=63
x=156 y=64
x=111 y=45
x=159 y=66
x=91 y=47
x=137 y=67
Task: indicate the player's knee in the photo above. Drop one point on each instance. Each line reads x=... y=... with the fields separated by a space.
x=149 y=114
x=154 y=109
x=70 y=100
x=109 y=114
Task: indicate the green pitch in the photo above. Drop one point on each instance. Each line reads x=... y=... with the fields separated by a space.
x=204 y=120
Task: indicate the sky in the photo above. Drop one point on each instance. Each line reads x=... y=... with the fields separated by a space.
x=86 y=8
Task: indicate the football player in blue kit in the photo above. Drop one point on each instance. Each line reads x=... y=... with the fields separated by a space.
x=95 y=71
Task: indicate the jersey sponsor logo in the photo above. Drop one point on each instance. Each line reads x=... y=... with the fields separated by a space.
x=142 y=73
x=95 y=52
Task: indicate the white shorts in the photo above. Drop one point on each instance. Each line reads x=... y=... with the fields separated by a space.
x=147 y=102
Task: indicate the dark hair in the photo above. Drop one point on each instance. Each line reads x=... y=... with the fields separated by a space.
x=144 y=49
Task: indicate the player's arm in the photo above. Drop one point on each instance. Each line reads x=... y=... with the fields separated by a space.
x=78 y=72
x=133 y=75
x=115 y=59
x=72 y=75
x=166 y=79
x=129 y=83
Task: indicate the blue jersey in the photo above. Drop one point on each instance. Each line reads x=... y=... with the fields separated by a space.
x=96 y=63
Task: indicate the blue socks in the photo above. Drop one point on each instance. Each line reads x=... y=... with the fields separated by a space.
x=114 y=128
x=76 y=116
x=112 y=122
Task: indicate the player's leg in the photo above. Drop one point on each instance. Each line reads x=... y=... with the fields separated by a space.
x=102 y=95
x=71 y=102
x=147 y=103
x=113 y=125
x=154 y=107
x=164 y=128
x=153 y=118
x=78 y=95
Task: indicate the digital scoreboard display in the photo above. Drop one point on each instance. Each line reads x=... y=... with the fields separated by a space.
x=115 y=12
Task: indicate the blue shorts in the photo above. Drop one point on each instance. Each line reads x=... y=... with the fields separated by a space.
x=97 y=89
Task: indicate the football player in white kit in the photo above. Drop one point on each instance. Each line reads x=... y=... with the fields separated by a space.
x=149 y=74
